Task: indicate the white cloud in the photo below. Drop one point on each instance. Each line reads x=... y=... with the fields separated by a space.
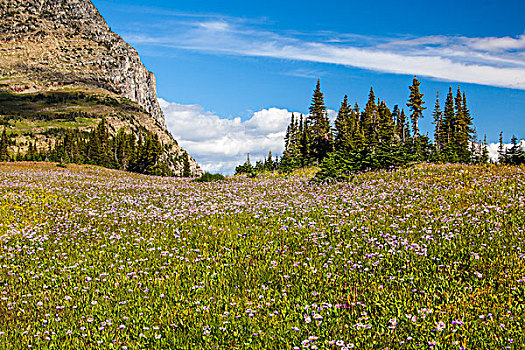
x=494 y=147
x=494 y=61
x=220 y=144
x=499 y=44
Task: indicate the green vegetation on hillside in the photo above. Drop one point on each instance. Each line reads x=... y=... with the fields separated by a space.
x=66 y=104
x=122 y=151
x=207 y=177
x=68 y=125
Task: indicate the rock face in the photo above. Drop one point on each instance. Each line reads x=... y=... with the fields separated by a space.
x=50 y=43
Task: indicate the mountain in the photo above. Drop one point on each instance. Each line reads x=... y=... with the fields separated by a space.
x=61 y=66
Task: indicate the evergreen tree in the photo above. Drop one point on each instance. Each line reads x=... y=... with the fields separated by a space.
x=402 y=128
x=448 y=129
x=288 y=138
x=304 y=144
x=319 y=126
x=516 y=154
x=292 y=151
x=501 y=150
x=484 y=152
x=438 y=122
x=269 y=164
x=415 y=103
x=386 y=126
x=464 y=130
x=357 y=138
x=4 y=143
x=369 y=121
x=342 y=127
x=246 y=168
x=186 y=171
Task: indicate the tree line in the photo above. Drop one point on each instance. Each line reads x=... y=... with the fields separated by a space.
x=379 y=137
x=515 y=155
x=123 y=151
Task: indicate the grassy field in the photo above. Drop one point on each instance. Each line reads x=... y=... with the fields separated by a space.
x=430 y=257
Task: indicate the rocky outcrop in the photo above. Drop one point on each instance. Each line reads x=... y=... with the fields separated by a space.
x=45 y=43
x=114 y=64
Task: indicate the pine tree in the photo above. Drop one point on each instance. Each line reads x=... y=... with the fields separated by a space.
x=269 y=164
x=304 y=142
x=342 y=127
x=356 y=129
x=289 y=134
x=395 y=117
x=438 y=122
x=4 y=143
x=484 y=152
x=501 y=150
x=459 y=133
x=415 y=103
x=369 y=121
x=94 y=148
x=186 y=171
x=513 y=151
x=402 y=128
x=386 y=126
x=449 y=128
x=292 y=153
x=465 y=133
x=319 y=126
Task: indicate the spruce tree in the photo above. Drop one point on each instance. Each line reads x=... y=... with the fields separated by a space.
x=369 y=120
x=186 y=171
x=356 y=129
x=438 y=122
x=402 y=127
x=292 y=153
x=465 y=137
x=449 y=128
x=415 y=103
x=4 y=143
x=268 y=162
x=501 y=150
x=386 y=126
x=342 y=127
x=514 y=151
x=319 y=126
x=484 y=152
x=289 y=134
x=304 y=141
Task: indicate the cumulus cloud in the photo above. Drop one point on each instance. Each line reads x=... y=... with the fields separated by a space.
x=494 y=147
x=494 y=61
x=219 y=143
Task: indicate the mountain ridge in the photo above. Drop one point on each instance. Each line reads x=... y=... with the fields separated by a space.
x=49 y=46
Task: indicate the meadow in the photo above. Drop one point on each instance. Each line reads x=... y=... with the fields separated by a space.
x=427 y=257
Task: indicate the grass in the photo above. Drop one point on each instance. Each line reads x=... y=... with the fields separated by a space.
x=429 y=257
x=65 y=100
x=26 y=125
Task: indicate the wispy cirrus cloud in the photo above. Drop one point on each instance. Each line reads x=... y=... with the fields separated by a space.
x=493 y=61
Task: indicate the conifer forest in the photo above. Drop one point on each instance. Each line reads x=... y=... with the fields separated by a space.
x=379 y=137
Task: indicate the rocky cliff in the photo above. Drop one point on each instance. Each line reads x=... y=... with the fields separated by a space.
x=66 y=45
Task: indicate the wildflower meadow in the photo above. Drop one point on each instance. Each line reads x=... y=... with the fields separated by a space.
x=425 y=257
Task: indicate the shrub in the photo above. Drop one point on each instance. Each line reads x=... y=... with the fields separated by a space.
x=207 y=177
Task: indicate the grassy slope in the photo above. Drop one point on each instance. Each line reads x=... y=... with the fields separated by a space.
x=31 y=115
x=406 y=259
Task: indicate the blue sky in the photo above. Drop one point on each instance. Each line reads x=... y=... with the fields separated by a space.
x=235 y=66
